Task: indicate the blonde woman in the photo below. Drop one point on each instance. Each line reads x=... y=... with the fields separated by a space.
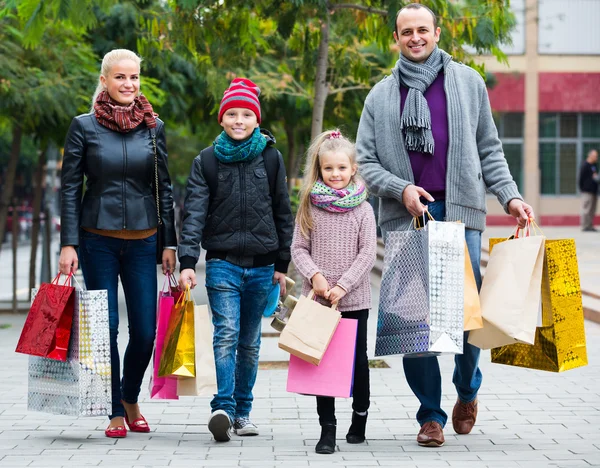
x=120 y=148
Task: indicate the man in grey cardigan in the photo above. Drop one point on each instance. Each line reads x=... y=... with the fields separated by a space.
x=427 y=141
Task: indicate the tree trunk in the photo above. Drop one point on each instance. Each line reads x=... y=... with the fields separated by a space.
x=298 y=162
x=15 y=240
x=37 y=206
x=9 y=178
x=292 y=155
x=321 y=85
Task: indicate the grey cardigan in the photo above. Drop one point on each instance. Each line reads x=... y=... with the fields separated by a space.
x=475 y=157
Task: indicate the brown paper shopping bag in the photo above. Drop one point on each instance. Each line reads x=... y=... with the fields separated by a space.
x=309 y=329
x=205 y=381
x=511 y=293
x=473 y=319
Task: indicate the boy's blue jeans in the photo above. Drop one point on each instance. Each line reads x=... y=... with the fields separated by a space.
x=237 y=297
x=423 y=374
x=103 y=259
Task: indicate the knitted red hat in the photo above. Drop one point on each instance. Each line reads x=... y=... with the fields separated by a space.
x=241 y=93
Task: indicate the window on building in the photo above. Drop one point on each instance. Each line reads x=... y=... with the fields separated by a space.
x=557 y=21
x=510 y=131
x=565 y=139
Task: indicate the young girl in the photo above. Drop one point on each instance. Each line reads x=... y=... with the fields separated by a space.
x=334 y=249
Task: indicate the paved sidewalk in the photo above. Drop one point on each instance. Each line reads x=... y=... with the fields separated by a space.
x=526 y=418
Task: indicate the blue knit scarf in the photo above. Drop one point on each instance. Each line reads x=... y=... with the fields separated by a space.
x=228 y=150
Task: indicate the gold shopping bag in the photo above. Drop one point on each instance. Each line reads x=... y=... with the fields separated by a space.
x=560 y=341
x=178 y=357
x=473 y=319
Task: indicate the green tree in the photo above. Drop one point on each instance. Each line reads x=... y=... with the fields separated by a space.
x=41 y=89
x=315 y=29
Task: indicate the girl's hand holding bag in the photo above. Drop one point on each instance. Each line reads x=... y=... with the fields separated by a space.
x=310 y=329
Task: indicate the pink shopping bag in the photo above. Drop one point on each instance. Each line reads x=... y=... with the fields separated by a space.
x=163 y=388
x=334 y=375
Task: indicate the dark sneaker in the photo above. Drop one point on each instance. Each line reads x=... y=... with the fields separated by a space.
x=431 y=435
x=464 y=416
x=244 y=427
x=220 y=425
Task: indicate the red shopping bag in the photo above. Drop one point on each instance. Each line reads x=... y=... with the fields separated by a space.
x=47 y=330
x=335 y=374
x=163 y=388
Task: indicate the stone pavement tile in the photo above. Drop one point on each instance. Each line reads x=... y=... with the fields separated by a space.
x=513 y=455
x=13 y=435
x=395 y=464
x=482 y=464
x=22 y=451
x=10 y=461
x=204 y=463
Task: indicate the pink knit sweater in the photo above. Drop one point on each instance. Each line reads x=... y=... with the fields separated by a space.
x=342 y=248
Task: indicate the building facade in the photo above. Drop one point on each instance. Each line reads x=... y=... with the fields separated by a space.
x=546 y=104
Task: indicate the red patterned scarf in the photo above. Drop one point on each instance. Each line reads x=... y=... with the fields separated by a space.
x=123 y=118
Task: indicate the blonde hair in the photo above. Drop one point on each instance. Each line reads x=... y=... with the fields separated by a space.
x=112 y=57
x=330 y=140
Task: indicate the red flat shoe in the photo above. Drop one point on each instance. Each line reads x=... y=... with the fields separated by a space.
x=138 y=425
x=117 y=432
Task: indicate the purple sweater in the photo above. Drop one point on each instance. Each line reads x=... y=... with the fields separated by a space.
x=342 y=248
x=430 y=171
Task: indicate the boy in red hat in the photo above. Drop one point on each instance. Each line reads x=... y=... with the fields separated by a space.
x=238 y=209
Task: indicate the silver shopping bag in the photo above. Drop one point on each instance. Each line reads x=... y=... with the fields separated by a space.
x=81 y=386
x=421 y=302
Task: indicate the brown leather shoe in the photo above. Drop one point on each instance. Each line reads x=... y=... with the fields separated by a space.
x=464 y=416
x=431 y=435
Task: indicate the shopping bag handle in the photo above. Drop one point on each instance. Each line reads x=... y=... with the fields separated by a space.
x=186 y=296
x=168 y=291
x=55 y=280
x=77 y=283
x=417 y=219
x=530 y=225
x=172 y=280
x=311 y=296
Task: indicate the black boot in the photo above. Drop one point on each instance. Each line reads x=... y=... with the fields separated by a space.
x=356 y=433
x=326 y=443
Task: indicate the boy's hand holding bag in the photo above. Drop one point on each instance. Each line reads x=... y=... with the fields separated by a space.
x=309 y=329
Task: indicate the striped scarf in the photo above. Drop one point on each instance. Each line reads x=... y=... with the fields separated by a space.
x=228 y=150
x=416 y=117
x=337 y=201
x=122 y=119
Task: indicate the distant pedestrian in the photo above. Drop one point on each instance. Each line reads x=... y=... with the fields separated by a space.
x=113 y=231
x=334 y=249
x=588 y=185
x=238 y=208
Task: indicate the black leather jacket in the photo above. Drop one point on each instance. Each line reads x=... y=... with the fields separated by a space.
x=119 y=192
x=240 y=223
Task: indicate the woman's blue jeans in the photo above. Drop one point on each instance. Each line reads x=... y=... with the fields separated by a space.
x=423 y=374
x=103 y=259
x=237 y=297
